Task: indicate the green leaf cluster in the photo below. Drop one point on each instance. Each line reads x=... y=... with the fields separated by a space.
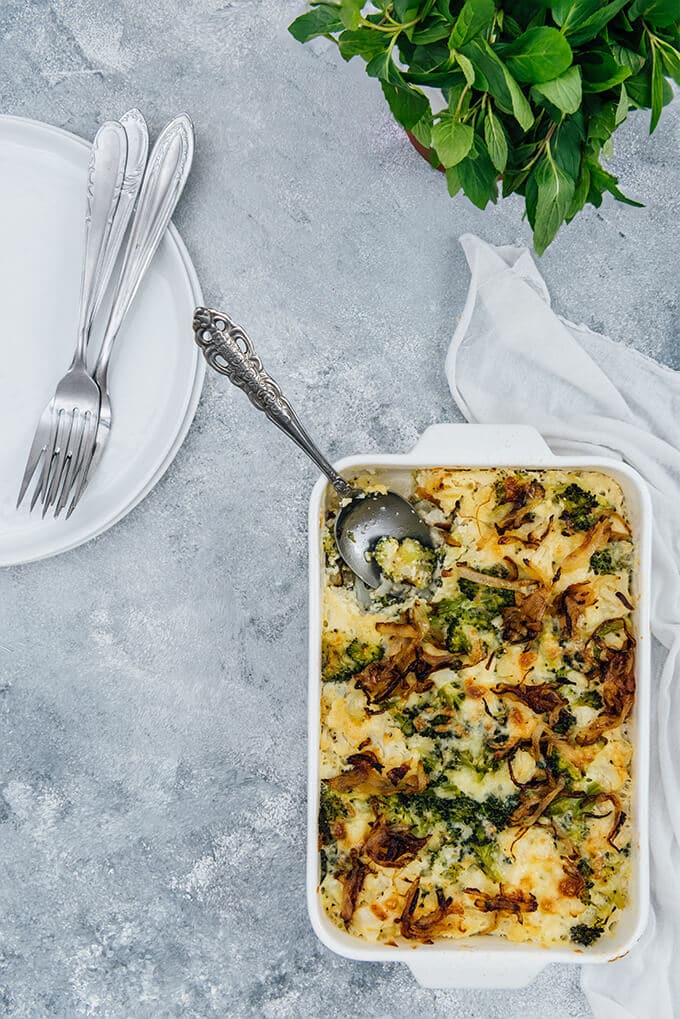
x=533 y=90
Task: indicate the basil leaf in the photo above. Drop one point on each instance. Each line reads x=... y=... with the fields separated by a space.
x=627 y=58
x=422 y=131
x=622 y=107
x=453 y=180
x=639 y=88
x=478 y=175
x=382 y=66
x=555 y=191
x=585 y=20
x=407 y=105
x=405 y=10
x=452 y=140
x=489 y=71
x=601 y=125
x=320 y=21
x=499 y=82
x=658 y=12
x=496 y=142
x=564 y=92
x=600 y=71
x=350 y=13
x=364 y=42
x=671 y=60
x=565 y=147
x=434 y=32
x=581 y=193
x=475 y=16
x=520 y=106
x=657 y=89
x=569 y=14
x=466 y=67
x=605 y=181
x=538 y=55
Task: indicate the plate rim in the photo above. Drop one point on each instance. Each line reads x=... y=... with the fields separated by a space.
x=194 y=396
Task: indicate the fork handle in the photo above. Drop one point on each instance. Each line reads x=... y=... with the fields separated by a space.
x=164 y=180
x=137 y=136
x=104 y=181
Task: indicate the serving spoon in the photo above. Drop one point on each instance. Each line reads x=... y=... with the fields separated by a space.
x=364 y=517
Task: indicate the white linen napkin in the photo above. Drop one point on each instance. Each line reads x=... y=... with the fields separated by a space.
x=514 y=361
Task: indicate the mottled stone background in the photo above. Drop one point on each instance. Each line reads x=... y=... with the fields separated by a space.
x=152 y=741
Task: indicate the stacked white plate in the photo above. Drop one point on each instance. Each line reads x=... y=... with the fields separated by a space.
x=156 y=370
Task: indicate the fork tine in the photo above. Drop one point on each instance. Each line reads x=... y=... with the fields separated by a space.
x=89 y=446
x=56 y=459
x=38 y=447
x=64 y=453
x=73 y=467
x=41 y=486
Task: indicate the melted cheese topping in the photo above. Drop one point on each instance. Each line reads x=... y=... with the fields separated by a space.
x=475 y=752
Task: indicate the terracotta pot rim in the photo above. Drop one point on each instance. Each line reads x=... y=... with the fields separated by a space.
x=424 y=152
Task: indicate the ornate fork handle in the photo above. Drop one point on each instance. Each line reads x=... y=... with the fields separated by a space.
x=228 y=350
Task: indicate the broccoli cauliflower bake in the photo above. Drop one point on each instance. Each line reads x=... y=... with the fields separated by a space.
x=475 y=752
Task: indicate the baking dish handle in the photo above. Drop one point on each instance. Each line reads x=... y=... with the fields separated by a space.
x=483 y=445
x=465 y=970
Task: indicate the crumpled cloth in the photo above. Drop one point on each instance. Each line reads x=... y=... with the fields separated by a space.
x=512 y=360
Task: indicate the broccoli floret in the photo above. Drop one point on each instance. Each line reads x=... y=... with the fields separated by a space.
x=463 y=810
x=468 y=588
x=471 y=824
x=590 y=699
x=498 y=812
x=457 y=640
x=342 y=659
x=601 y=562
x=331 y=808
x=476 y=606
x=560 y=767
x=406 y=561
x=578 y=507
x=583 y=934
x=564 y=722
x=487 y=860
x=329 y=546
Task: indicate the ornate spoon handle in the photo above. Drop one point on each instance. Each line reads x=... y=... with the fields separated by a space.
x=228 y=349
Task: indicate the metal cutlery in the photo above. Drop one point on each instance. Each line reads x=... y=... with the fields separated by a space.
x=74 y=428
x=71 y=414
x=166 y=174
x=364 y=516
x=137 y=134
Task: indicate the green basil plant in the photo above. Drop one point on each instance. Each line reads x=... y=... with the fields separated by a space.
x=533 y=89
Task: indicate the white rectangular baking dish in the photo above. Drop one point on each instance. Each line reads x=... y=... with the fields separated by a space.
x=483 y=961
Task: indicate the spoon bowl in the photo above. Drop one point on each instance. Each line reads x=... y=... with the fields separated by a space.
x=368 y=517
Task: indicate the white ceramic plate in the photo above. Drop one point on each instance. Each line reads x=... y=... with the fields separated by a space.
x=156 y=369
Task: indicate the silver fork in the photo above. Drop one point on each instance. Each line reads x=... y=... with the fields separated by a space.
x=72 y=413
x=137 y=135
x=166 y=174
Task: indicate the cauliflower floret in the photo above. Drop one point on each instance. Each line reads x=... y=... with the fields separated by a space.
x=405 y=561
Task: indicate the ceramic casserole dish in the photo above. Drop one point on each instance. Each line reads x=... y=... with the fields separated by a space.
x=483 y=960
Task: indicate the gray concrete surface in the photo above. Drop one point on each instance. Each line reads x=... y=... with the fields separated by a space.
x=152 y=683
